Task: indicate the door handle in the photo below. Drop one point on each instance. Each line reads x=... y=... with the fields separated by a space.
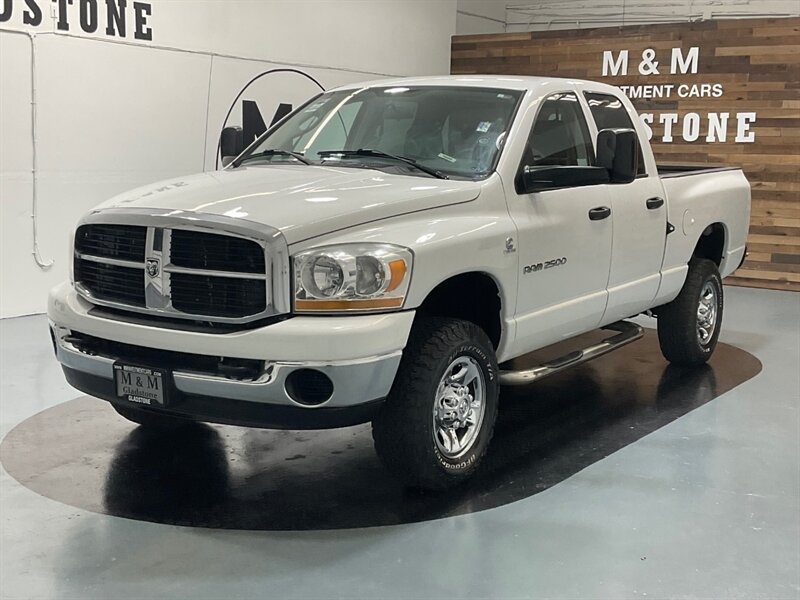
x=599 y=213
x=654 y=203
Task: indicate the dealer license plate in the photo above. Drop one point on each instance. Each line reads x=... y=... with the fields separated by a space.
x=141 y=385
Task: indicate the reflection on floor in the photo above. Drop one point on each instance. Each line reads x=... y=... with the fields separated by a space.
x=231 y=477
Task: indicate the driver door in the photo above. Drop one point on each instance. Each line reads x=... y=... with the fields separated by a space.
x=564 y=255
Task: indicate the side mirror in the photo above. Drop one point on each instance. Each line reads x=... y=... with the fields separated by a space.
x=618 y=152
x=546 y=177
x=231 y=144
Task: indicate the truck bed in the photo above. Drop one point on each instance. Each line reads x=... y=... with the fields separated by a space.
x=701 y=195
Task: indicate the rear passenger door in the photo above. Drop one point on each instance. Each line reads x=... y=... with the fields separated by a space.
x=564 y=255
x=640 y=221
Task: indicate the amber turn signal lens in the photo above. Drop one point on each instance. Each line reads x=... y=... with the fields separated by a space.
x=348 y=304
x=397 y=270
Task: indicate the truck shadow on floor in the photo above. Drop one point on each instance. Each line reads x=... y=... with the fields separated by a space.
x=82 y=454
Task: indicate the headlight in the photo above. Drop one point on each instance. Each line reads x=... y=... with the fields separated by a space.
x=351 y=277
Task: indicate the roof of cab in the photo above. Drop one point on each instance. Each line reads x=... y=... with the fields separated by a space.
x=509 y=82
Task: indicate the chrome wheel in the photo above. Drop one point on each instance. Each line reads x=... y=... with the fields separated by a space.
x=459 y=407
x=707 y=313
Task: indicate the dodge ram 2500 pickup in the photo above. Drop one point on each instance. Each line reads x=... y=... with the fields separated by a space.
x=384 y=251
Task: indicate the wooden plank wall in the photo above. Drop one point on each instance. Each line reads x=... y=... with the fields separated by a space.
x=757 y=61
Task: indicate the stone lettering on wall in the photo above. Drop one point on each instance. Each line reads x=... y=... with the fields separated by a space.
x=690 y=126
x=113 y=18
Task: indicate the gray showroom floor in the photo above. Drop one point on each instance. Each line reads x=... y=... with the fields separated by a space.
x=708 y=506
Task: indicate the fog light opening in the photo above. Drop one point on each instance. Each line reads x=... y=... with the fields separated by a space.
x=309 y=387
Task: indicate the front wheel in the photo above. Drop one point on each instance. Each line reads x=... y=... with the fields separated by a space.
x=688 y=327
x=437 y=421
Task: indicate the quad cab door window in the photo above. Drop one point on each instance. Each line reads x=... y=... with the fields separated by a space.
x=564 y=253
x=638 y=251
x=559 y=135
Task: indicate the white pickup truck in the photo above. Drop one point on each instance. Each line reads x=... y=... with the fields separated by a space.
x=383 y=253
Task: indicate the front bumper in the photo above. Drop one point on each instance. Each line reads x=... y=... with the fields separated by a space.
x=360 y=367
x=226 y=411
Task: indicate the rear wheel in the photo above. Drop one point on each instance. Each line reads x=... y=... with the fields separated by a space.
x=688 y=327
x=436 y=423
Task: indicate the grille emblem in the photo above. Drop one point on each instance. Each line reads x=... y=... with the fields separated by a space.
x=152 y=266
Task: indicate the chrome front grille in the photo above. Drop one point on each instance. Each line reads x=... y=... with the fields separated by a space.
x=123 y=242
x=111 y=282
x=211 y=251
x=173 y=266
x=218 y=296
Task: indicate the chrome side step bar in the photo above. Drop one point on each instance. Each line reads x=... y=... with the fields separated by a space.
x=627 y=332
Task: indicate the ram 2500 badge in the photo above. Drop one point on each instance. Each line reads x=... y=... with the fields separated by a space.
x=383 y=252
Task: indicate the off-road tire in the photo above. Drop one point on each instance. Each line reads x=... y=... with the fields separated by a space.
x=677 y=321
x=403 y=430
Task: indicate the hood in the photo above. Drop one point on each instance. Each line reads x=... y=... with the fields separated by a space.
x=302 y=201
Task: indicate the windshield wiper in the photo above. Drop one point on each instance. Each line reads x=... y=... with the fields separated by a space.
x=379 y=154
x=276 y=152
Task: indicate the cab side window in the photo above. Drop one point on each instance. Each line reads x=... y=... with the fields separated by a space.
x=559 y=135
x=609 y=113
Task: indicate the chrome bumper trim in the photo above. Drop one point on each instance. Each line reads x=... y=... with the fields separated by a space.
x=354 y=381
x=69 y=356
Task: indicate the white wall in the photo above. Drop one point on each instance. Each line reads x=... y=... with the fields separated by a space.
x=480 y=16
x=578 y=14
x=497 y=16
x=112 y=114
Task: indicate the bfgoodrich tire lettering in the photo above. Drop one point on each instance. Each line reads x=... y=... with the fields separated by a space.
x=405 y=430
x=680 y=322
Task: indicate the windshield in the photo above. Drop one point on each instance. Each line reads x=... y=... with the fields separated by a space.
x=455 y=131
